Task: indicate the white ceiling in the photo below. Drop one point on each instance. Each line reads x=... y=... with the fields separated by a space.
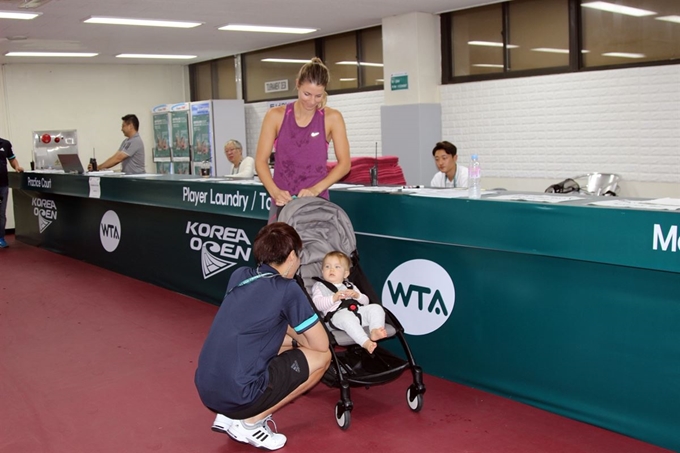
x=60 y=27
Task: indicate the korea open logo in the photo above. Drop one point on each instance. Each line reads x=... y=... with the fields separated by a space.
x=221 y=246
x=46 y=212
x=109 y=231
x=421 y=295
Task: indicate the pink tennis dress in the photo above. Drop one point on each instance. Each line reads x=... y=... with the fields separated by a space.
x=301 y=153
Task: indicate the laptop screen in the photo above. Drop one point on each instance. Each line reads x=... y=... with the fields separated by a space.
x=71 y=163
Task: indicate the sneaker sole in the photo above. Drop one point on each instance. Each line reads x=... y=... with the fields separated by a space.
x=218 y=429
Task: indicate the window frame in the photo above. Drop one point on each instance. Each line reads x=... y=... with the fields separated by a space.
x=575 y=56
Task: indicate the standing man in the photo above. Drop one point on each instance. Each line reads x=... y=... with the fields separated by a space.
x=6 y=154
x=131 y=151
x=450 y=174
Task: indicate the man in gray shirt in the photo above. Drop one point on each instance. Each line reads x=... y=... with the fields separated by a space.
x=131 y=151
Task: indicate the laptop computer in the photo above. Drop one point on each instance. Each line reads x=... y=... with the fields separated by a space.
x=71 y=163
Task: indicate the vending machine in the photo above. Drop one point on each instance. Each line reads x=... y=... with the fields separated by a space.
x=181 y=138
x=213 y=124
x=161 y=139
x=47 y=145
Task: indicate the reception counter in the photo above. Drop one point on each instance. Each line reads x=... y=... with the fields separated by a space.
x=569 y=307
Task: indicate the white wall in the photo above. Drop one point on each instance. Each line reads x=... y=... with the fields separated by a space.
x=362 y=118
x=89 y=98
x=529 y=132
x=535 y=131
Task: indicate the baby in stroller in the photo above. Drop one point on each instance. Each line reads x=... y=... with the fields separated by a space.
x=344 y=307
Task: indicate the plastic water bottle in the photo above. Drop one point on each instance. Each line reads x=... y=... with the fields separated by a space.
x=474 y=178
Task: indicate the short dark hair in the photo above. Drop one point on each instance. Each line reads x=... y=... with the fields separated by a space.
x=131 y=119
x=449 y=147
x=274 y=243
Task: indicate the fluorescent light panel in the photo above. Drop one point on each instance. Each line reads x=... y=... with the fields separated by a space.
x=141 y=22
x=349 y=79
x=485 y=65
x=50 y=54
x=363 y=63
x=157 y=56
x=284 y=60
x=18 y=15
x=624 y=55
x=491 y=44
x=267 y=29
x=550 y=50
x=618 y=9
x=675 y=19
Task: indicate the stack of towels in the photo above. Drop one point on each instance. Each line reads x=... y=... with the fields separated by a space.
x=389 y=171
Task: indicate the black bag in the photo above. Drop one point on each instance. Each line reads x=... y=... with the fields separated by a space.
x=566 y=186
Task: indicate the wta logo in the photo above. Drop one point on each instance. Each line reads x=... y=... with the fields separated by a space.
x=110 y=231
x=46 y=212
x=221 y=247
x=421 y=295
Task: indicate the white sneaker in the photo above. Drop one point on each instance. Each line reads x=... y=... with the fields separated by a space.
x=259 y=435
x=222 y=424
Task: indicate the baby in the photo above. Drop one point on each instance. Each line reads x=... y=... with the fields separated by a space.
x=345 y=307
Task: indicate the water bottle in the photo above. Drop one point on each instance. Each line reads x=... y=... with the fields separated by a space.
x=474 y=178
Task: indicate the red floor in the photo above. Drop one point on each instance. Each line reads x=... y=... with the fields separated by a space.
x=92 y=361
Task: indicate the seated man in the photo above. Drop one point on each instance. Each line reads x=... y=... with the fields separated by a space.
x=450 y=173
x=243 y=167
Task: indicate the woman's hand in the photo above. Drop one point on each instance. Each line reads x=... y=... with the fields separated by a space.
x=308 y=193
x=281 y=197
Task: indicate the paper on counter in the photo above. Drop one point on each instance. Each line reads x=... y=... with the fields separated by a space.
x=95 y=188
x=382 y=189
x=638 y=204
x=444 y=193
x=536 y=198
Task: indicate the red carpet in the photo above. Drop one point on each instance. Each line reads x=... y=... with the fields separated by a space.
x=92 y=361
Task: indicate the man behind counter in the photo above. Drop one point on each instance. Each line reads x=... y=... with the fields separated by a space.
x=450 y=174
x=131 y=152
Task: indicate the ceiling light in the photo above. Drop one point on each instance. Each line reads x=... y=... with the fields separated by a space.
x=50 y=54
x=491 y=44
x=485 y=65
x=619 y=9
x=624 y=55
x=266 y=29
x=141 y=22
x=362 y=63
x=18 y=15
x=285 y=60
x=350 y=79
x=157 y=56
x=675 y=19
x=550 y=50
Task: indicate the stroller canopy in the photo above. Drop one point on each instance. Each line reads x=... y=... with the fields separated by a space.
x=323 y=227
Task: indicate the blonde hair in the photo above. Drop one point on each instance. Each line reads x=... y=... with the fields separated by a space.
x=340 y=256
x=317 y=73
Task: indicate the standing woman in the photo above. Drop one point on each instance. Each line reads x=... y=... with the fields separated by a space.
x=301 y=132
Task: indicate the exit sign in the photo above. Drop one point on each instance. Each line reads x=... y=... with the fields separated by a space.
x=399 y=82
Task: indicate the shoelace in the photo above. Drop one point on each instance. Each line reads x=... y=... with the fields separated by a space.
x=266 y=420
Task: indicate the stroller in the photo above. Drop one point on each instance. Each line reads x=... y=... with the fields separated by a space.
x=324 y=227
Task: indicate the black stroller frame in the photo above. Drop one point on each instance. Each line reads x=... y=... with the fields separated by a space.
x=316 y=219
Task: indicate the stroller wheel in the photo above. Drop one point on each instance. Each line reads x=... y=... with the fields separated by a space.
x=342 y=416
x=414 y=399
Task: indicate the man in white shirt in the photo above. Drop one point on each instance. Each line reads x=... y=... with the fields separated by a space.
x=450 y=174
x=243 y=167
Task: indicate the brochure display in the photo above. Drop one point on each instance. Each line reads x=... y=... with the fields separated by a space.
x=171 y=149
